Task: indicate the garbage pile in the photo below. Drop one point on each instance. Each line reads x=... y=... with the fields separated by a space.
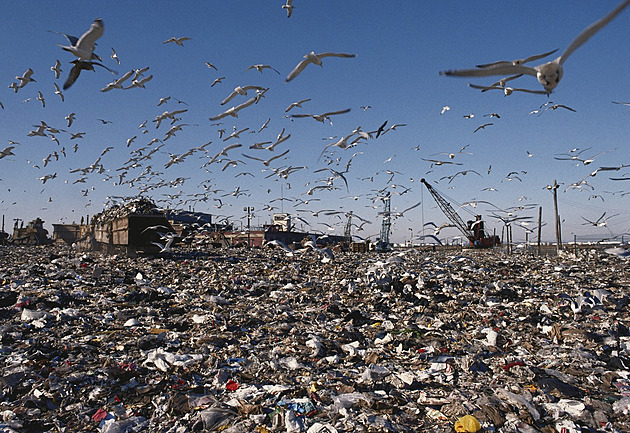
x=258 y=340
x=137 y=206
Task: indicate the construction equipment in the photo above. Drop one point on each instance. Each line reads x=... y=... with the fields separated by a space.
x=383 y=242
x=472 y=230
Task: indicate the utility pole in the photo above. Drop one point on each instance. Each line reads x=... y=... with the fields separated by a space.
x=249 y=211
x=557 y=216
x=539 y=227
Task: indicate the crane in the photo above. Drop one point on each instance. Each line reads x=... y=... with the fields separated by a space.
x=472 y=230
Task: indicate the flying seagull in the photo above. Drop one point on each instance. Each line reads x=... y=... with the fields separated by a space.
x=316 y=59
x=56 y=68
x=115 y=56
x=289 y=7
x=83 y=47
x=296 y=104
x=260 y=68
x=240 y=91
x=25 y=78
x=550 y=73
x=323 y=116
x=177 y=41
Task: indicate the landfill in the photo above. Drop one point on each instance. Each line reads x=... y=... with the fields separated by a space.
x=261 y=340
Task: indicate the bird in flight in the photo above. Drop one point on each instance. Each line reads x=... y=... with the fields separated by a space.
x=177 y=41
x=289 y=7
x=548 y=74
x=323 y=116
x=240 y=91
x=296 y=104
x=260 y=68
x=56 y=68
x=315 y=59
x=83 y=47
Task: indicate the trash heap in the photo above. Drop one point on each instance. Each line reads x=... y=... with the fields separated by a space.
x=136 y=206
x=264 y=341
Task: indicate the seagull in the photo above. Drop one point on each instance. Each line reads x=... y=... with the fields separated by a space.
x=550 y=73
x=289 y=7
x=240 y=91
x=323 y=116
x=268 y=161
x=445 y=109
x=40 y=98
x=217 y=81
x=7 y=151
x=234 y=110
x=80 y=65
x=316 y=59
x=83 y=47
x=131 y=140
x=264 y=125
x=56 y=69
x=177 y=41
x=260 y=68
x=437 y=162
x=555 y=107
x=139 y=83
x=70 y=119
x=115 y=56
x=296 y=104
x=118 y=83
x=25 y=78
x=211 y=66
x=482 y=126
x=58 y=92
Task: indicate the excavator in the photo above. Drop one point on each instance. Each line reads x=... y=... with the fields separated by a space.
x=472 y=230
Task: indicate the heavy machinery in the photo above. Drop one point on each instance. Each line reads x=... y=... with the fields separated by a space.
x=472 y=230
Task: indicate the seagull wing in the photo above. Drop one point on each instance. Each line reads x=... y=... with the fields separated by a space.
x=495 y=70
x=229 y=98
x=586 y=34
x=336 y=112
x=519 y=62
x=320 y=55
x=72 y=39
x=245 y=104
x=72 y=77
x=87 y=39
x=298 y=69
x=114 y=72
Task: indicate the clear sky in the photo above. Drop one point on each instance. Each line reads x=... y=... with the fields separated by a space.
x=400 y=48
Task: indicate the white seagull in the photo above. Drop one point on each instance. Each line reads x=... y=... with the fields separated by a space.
x=289 y=7
x=58 y=92
x=323 y=116
x=550 y=73
x=177 y=41
x=56 y=68
x=240 y=91
x=316 y=59
x=296 y=104
x=83 y=47
x=260 y=68
x=25 y=78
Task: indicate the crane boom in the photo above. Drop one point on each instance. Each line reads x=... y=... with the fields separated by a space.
x=449 y=212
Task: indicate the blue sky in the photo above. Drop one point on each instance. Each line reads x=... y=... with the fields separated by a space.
x=400 y=47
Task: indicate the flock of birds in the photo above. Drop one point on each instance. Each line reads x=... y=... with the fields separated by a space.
x=138 y=171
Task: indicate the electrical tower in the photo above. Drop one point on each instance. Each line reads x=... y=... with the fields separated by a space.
x=386 y=225
x=347 y=233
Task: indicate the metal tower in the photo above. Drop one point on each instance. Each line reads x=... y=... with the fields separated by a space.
x=387 y=223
